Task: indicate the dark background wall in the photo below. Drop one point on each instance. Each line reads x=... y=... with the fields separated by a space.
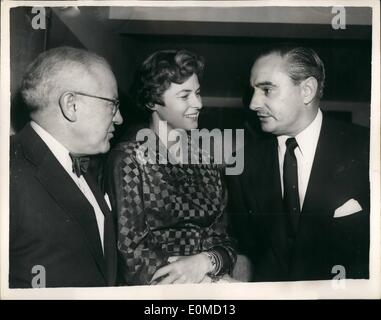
x=25 y=44
x=229 y=49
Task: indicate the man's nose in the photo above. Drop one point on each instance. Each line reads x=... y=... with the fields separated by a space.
x=254 y=103
x=118 y=119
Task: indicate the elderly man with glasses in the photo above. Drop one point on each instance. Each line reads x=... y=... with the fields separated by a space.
x=61 y=229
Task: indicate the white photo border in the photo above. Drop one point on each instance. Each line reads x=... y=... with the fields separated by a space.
x=246 y=291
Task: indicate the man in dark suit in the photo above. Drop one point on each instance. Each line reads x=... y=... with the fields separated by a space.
x=61 y=229
x=300 y=210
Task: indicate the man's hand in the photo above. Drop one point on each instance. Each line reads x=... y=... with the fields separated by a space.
x=184 y=269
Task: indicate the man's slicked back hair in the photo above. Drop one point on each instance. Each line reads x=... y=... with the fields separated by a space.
x=303 y=63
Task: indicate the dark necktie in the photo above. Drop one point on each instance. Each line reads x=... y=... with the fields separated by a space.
x=80 y=164
x=290 y=184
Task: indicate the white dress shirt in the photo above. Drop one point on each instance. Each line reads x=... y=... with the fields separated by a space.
x=305 y=153
x=63 y=157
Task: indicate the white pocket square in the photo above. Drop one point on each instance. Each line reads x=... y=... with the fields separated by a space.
x=348 y=208
x=107 y=199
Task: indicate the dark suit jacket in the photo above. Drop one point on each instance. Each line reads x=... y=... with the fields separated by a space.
x=340 y=172
x=51 y=222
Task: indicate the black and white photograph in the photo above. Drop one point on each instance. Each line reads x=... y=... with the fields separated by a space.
x=190 y=150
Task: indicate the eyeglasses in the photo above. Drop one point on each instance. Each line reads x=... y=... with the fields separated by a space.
x=115 y=102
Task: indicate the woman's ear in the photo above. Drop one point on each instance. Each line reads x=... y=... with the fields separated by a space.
x=68 y=107
x=309 y=89
x=151 y=106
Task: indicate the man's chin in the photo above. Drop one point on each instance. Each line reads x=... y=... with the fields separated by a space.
x=267 y=128
x=105 y=147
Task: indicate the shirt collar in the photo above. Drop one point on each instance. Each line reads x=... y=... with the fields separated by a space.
x=58 y=150
x=306 y=139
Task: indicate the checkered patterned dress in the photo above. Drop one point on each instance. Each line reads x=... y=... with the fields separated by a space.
x=164 y=210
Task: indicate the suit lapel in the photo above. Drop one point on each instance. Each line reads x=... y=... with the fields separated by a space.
x=269 y=189
x=109 y=241
x=322 y=172
x=316 y=215
x=98 y=194
x=270 y=200
x=64 y=191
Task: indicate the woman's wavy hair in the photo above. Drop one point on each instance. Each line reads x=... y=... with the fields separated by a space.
x=159 y=71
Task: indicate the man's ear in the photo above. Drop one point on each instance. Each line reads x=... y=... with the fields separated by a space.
x=68 y=107
x=309 y=89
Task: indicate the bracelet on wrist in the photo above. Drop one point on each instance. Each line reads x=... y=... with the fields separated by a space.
x=215 y=261
x=212 y=260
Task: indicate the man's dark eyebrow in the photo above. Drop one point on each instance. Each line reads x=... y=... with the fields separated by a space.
x=264 y=83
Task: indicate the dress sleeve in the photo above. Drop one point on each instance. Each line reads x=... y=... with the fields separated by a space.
x=219 y=241
x=139 y=257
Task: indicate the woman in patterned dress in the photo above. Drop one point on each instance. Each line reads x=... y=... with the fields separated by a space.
x=170 y=211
